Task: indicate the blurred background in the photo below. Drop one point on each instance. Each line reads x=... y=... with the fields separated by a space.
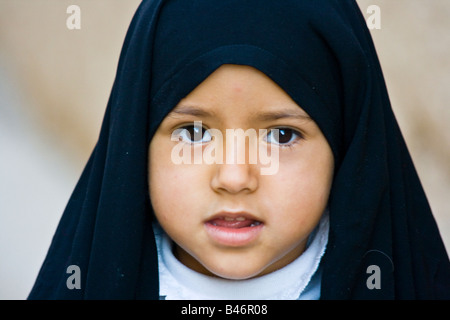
x=55 y=83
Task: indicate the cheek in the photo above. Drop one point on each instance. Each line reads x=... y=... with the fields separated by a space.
x=174 y=189
x=311 y=184
x=304 y=197
x=163 y=180
x=166 y=184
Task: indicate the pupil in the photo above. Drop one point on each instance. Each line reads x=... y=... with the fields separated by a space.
x=284 y=135
x=196 y=133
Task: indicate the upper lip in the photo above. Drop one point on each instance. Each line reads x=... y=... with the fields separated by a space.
x=234 y=215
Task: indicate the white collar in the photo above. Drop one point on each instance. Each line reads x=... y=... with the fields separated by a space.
x=178 y=282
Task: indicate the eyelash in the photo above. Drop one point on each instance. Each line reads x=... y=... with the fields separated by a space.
x=299 y=136
x=182 y=130
x=296 y=135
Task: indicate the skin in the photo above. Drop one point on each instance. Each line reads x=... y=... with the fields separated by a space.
x=289 y=203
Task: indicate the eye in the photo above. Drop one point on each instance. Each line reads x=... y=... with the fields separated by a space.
x=193 y=134
x=283 y=136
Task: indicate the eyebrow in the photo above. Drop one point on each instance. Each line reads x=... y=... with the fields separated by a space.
x=192 y=111
x=264 y=116
x=282 y=114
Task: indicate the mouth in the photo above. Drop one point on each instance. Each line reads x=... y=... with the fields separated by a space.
x=233 y=229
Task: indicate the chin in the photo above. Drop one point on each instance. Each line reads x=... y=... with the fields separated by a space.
x=232 y=273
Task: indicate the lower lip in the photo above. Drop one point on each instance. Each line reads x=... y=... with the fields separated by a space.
x=233 y=237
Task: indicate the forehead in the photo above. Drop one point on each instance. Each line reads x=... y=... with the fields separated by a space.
x=239 y=90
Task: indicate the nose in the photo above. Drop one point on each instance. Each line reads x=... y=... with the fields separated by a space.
x=235 y=178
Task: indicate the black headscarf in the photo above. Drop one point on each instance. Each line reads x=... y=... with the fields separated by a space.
x=321 y=53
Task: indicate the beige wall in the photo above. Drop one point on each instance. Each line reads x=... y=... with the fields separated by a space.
x=58 y=82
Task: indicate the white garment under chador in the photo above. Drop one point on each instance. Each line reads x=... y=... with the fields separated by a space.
x=299 y=280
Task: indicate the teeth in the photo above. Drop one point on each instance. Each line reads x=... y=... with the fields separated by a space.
x=255 y=224
x=233 y=219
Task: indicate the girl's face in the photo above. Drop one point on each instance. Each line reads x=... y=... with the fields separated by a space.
x=225 y=217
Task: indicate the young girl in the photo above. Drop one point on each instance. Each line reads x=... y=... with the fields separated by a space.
x=342 y=215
